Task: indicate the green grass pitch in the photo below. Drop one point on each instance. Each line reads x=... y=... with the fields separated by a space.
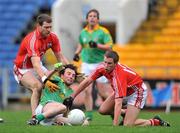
x=15 y=122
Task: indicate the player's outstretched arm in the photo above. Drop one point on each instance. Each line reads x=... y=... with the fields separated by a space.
x=85 y=83
x=117 y=111
x=69 y=101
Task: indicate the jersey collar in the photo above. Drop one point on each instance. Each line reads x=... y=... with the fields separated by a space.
x=38 y=34
x=95 y=28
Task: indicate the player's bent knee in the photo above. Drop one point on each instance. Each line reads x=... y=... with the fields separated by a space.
x=102 y=112
x=37 y=87
x=128 y=123
x=62 y=108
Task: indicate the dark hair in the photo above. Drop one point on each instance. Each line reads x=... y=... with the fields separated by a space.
x=93 y=10
x=43 y=18
x=70 y=66
x=113 y=55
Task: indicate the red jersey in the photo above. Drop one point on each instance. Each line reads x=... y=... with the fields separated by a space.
x=124 y=80
x=34 y=45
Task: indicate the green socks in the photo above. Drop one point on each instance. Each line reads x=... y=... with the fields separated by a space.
x=89 y=115
x=40 y=117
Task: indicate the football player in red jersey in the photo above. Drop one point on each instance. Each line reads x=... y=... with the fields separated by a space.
x=126 y=84
x=28 y=68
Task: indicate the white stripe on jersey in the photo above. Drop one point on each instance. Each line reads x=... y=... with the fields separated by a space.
x=32 y=43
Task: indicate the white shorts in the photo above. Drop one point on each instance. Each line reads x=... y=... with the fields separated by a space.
x=137 y=100
x=18 y=72
x=87 y=69
x=48 y=121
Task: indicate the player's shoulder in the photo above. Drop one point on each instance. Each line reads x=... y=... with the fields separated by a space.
x=83 y=30
x=31 y=34
x=126 y=69
x=105 y=30
x=29 y=37
x=100 y=67
x=123 y=66
x=53 y=34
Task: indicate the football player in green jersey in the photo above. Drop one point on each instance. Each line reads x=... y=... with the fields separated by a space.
x=94 y=41
x=51 y=102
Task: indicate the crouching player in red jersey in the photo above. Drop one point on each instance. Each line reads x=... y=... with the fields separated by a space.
x=126 y=84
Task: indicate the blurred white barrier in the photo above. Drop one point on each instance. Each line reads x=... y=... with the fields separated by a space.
x=131 y=14
x=4 y=86
x=8 y=90
x=69 y=16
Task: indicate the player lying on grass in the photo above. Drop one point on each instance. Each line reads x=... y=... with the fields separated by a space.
x=52 y=104
x=125 y=82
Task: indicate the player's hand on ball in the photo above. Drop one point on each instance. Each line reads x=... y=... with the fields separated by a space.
x=68 y=102
x=92 y=44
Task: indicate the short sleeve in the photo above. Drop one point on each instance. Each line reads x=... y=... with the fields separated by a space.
x=98 y=72
x=108 y=39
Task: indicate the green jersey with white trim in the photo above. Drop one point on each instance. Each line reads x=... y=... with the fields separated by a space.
x=63 y=92
x=101 y=36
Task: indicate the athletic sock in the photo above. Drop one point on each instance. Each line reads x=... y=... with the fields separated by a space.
x=89 y=115
x=33 y=116
x=40 y=117
x=154 y=122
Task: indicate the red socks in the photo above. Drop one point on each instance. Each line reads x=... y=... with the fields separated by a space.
x=154 y=122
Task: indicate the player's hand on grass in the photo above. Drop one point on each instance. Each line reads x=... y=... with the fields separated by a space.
x=86 y=122
x=68 y=102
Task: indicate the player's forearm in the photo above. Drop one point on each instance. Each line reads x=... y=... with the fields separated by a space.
x=61 y=58
x=64 y=60
x=37 y=66
x=85 y=83
x=40 y=72
x=117 y=111
x=78 y=50
x=104 y=47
